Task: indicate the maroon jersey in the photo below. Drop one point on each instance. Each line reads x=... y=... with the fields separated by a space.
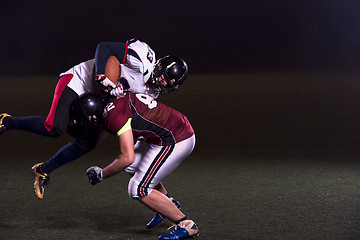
x=156 y=122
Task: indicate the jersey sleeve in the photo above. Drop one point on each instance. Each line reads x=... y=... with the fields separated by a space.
x=106 y=49
x=118 y=116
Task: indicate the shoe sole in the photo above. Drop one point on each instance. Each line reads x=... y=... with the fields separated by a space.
x=196 y=235
x=2 y=127
x=36 y=185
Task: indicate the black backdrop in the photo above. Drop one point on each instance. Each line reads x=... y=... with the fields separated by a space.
x=47 y=37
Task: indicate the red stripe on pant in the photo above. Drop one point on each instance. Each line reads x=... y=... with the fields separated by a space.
x=153 y=170
x=63 y=81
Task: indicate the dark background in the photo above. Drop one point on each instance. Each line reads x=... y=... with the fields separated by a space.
x=273 y=96
x=48 y=37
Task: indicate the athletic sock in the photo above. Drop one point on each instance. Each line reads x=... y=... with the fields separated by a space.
x=33 y=124
x=65 y=155
x=183 y=219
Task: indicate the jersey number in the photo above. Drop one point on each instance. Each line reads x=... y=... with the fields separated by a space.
x=147 y=100
x=108 y=108
x=150 y=55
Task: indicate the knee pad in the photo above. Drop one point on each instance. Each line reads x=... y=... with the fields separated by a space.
x=137 y=190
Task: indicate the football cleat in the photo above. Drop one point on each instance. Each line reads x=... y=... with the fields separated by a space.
x=41 y=180
x=185 y=229
x=2 y=126
x=158 y=218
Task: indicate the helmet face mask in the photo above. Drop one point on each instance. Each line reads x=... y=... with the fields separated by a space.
x=170 y=69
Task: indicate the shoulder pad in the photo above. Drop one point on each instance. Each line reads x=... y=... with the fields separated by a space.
x=128 y=42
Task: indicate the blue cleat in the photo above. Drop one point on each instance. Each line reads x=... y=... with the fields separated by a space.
x=185 y=229
x=158 y=218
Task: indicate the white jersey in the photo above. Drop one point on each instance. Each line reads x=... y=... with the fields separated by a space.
x=136 y=71
x=83 y=80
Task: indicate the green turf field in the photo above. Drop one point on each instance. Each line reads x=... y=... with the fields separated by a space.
x=277 y=157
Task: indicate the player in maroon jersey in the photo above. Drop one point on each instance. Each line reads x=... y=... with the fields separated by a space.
x=168 y=139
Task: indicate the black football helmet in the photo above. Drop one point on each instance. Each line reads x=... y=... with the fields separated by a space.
x=86 y=115
x=174 y=70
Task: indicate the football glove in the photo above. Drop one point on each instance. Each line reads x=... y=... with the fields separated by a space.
x=118 y=91
x=105 y=82
x=94 y=175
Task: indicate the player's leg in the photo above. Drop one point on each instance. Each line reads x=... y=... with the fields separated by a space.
x=57 y=120
x=158 y=218
x=185 y=227
x=142 y=148
x=151 y=171
x=33 y=124
x=161 y=204
x=68 y=153
x=161 y=188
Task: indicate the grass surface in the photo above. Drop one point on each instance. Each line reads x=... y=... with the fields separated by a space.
x=276 y=158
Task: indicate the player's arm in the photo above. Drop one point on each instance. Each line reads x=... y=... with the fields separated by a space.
x=124 y=159
x=106 y=49
x=103 y=52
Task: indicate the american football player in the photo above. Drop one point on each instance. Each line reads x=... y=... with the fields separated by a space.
x=72 y=84
x=168 y=138
x=136 y=71
x=140 y=72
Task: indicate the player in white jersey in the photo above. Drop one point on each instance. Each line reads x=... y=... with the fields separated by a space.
x=139 y=73
x=82 y=80
x=139 y=70
x=73 y=83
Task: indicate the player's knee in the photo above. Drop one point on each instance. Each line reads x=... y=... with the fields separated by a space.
x=137 y=190
x=54 y=131
x=85 y=144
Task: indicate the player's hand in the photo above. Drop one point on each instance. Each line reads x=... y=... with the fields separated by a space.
x=94 y=175
x=118 y=91
x=105 y=82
